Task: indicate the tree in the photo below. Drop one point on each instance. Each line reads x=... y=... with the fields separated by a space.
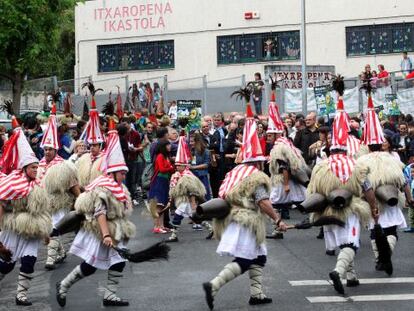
x=30 y=36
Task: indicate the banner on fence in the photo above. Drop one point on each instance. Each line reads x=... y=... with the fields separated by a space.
x=392 y=106
x=325 y=104
x=189 y=113
x=290 y=76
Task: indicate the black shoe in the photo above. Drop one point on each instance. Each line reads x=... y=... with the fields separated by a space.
x=330 y=252
x=334 y=276
x=379 y=266
x=210 y=235
x=321 y=235
x=209 y=294
x=388 y=268
x=60 y=299
x=50 y=267
x=276 y=236
x=23 y=302
x=61 y=260
x=256 y=301
x=352 y=283
x=115 y=303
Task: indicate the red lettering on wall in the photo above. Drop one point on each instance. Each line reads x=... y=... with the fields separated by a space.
x=135 y=17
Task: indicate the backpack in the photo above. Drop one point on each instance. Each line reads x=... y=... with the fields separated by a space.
x=147 y=175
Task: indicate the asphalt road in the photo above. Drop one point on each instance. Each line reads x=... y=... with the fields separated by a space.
x=296 y=277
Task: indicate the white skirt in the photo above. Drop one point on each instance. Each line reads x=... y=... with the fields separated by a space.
x=184 y=209
x=238 y=241
x=336 y=236
x=18 y=245
x=87 y=246
x=56 y=217
x=389 y=217
x=297 y=193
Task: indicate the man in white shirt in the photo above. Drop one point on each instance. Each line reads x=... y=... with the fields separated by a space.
x=406 y=64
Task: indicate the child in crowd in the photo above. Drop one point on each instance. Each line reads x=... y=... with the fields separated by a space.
x=186 y=190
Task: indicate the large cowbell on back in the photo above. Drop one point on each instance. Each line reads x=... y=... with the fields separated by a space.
x=215 y=208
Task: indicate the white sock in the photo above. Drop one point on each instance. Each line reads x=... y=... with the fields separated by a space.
x=229 y=272
x=112 y=285
x=344 y=259
x=74 y=276
x=256 y=277
x=23 y=285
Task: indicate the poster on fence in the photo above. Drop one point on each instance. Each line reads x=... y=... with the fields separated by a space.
x=325 y=104
x=189 y=114
x=392 y=106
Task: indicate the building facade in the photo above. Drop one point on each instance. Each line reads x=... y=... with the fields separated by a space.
x=183 y=39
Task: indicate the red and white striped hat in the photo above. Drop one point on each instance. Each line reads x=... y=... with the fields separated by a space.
x=340 y=127
x=251 y=149
x=119 y=111
x=372 y=133
x=275 y=123
x=183 y=153
x=113 y=158
x=17 y=152
x=50 y=135
x=93 y=134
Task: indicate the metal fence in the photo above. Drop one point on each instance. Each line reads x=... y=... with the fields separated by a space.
x=214 y=94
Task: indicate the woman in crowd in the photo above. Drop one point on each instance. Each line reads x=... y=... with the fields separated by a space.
x=261 y=132
x=200 y=161
x=387 y=146
x=144 y=157
x=289 y=125
x=159 y=188
x=78 y=151
x=320 y=149
x=232 y=147
x=173 y=138
x=66 y=142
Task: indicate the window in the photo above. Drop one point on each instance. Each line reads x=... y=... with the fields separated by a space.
x=259 y=47
x=379 y=39
x=136 y=56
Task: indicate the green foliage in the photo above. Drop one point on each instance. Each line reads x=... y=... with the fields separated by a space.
x=36 y=37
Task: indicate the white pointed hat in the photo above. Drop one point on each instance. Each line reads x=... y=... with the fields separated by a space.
x=113 y=159
x=373 y=133
x=50 y=135
x=183 y=156
x=251 y=148
x=275 y=123
x=17 y=151
x=92 y=133
x=340 y=127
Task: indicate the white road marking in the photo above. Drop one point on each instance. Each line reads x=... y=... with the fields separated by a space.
x=360 y=298
x=362 y=281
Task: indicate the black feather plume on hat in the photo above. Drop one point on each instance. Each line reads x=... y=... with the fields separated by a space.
x=109 y=108
x=244 y=92
x=8 y=107
x=338 y=85
x=91 y=88
x=367 y=86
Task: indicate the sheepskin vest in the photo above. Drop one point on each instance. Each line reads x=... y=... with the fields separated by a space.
x=29 y=216
x=381 y=168
x=186 y=187
x=58 y=181
x=117 y=213
x=324 y=181
x=87 y=169
x=284 y=153
x=244 y=211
